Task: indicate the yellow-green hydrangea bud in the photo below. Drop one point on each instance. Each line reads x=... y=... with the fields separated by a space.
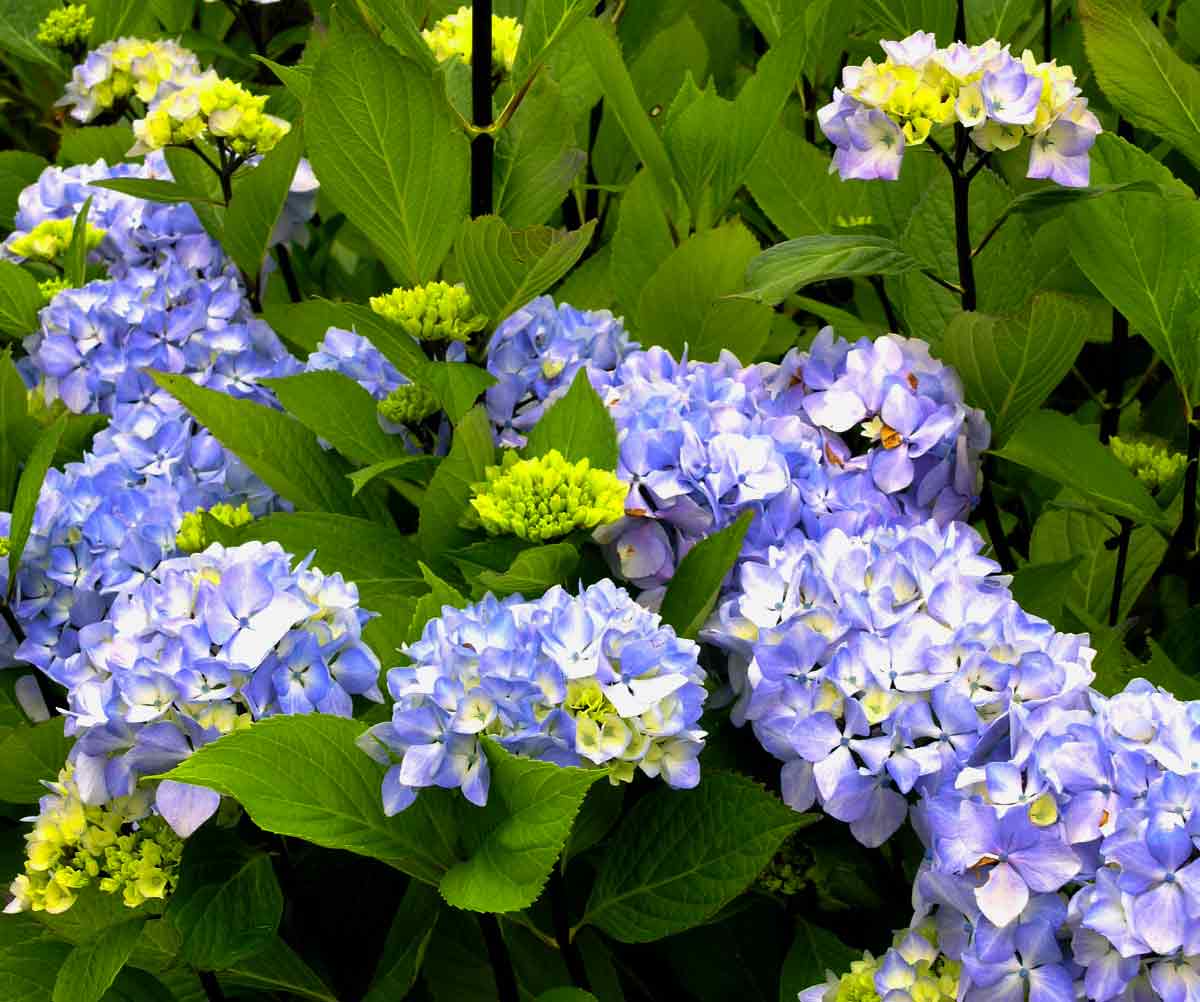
x=858 y=985
x=51 y=287
x=51 y=238
x=451 y=36
x=547 y=497
x=66 y=27
x=191 y=537
x=1153 y=464
x=4 y=545
x=436 y=311
x=786 y=874
x=408 y=404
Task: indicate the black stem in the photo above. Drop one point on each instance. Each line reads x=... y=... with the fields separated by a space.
x=1114 y=607
x=1047 y=28
x=571 y=954
x=502 y=969
x=1187 y=524
x=991 y=518
x=810 y=121
x=889 y=311
x=288 y=273
x=10 y=618
x=211 y=986
x=962 y=224
x=960 y=22
x=483 y=146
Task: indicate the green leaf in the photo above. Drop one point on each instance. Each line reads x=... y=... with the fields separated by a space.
x=449 y=492
x=18 y=170
x=693 y=590
x=514 y=841
x=305 y=324
x=94 y=912
x=995 y=19
x=1127 y=246
x=643 y=241
x=167 y=192
x=579 y=426
x=75 y=263
x=781 y=270
x=504 y=269
x=258 y=197
x=1041 y=587
x=20 y=300
x=278 y=968
x=430 y=605
x=1140 y=75
x=116 y=18
x=408 y=938
x=356 y=547
x=1010 y=365
x=814 y=952
x=19 y=20
x=13 y=408
x=228 y=903
x=278 y=448
x=411 y=469
x=304 y=776
x=1053 y=445
x=91 y=967
x=383 y=140
x=30 y=958
x=533 y=572
x=95 y=142
x=544 y=24
x=208 y=200
x=133 y=985
x=29 y=755
x=687 y=302
x=457 y=385
x=297 y=79
x=566 y=995
x=25 y=501
x=681 y=855
x=1055 y=197
x=337 y=409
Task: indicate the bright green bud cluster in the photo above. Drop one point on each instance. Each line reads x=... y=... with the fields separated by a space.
x=786 y=874
x=451 y=36
x=52 y=238
x=210 y=107
x=1154 y=465
x=408 y=404
x=859 y=984
x=117 y=848
x=66 y=27
x=547 y=497
x=4 y=545
x=436 y=311
x=191 y=537
x=51 y=287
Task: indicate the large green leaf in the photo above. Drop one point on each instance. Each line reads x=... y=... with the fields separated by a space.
x=449 y=492
x=680 y=855
x=26 y=499
x=503 y=269
x=814 y=952
x=30 y=958
x=20 y=300
x=1010 y=365
x=456 y=385
x=29 y=755
x=18 y=170
x=258 y=198
x=304 y=325
x=285 y=454
x=693 y=590
x=408 y=938
x=228 y=903
x=383 y=140
x=780 y=270
x=533 y=572
x=1053 y=445
x=687 y=302
x=278 y=968
x=341 y=412
x=95 y=142
x=1128 y=247
x=305 y=776
x=1140 y=74
x=19 y=20
x=13 y=408
x=514 y=841
x=579 y=426
x=358 y=548
x=409 y=469
x=91 y=967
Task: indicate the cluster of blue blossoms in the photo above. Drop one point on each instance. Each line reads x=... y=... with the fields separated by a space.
x=593 y=679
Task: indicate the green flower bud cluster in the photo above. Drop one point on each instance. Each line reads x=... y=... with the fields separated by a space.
x=51 y=287
x=4 y=545
x=51 y=238
x=933 y=980
x=408 y=404
x=191 y=537
x=1154 y=465
x=435 y=311
x=786 y=874
x=66 y=27
x=117 y=848
x=547 y=497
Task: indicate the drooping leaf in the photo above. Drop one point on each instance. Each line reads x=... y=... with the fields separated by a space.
x=305 y=324
x=13 y=409
x=413 y=469
x=258 y=198
x=278 y=968
x=356 y=547
x=75 y=263
x=534 y=571
x=514 y=841
x=579 y=426
x=269 y=770
x=781 y=270
x=26 y=498
x=457 y=385
x=20 y=301
x=697 y=581
x=91 y=967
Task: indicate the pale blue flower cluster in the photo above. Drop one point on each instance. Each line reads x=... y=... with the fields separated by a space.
x=591 y=680
x=201 y=646
x=355 y=356
x=844 y=436
x=535 y=355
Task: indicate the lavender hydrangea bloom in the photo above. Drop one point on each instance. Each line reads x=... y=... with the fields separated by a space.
x=355 y=356
x=587 y=680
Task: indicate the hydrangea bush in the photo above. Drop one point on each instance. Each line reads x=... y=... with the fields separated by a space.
x=571 y=501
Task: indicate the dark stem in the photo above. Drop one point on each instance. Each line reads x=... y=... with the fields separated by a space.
x=211 y=986
x=962 y=224
x=1187 y=524
x=502 y=969
x=288 y=273
x=571 y=954
x=1047 y=28
x=10 y=618
x=960 y=22
x=991 y=518
x=810 y=121
x=1114 y=607
x=483 y=146
x=889 y=312
x=250 y=23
